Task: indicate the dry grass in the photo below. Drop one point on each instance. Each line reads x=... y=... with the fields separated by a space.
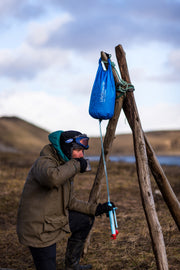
x=131 y=250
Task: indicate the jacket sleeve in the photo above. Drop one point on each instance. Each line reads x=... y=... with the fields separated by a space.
x=50 y=174
x=82 y=206
x=79 y=205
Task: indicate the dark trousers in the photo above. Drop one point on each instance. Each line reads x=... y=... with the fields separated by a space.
x=80 y=226
x=44 y=258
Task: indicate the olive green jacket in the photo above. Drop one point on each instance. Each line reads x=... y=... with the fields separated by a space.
x=47 y=195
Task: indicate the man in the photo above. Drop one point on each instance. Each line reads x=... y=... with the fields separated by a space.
x=48 y=208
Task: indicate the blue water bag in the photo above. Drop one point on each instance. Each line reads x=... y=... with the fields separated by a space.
x=103 y=93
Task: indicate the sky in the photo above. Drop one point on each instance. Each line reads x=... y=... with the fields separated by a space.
x=49 y=52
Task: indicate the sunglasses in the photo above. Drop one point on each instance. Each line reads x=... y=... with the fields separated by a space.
x=82 y=141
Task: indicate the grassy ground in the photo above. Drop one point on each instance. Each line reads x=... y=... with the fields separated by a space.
x=131 y=250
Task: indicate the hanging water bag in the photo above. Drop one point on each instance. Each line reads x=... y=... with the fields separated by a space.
x=103 y=93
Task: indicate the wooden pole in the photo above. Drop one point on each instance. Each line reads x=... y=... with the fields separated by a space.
x=131 y=113
x=163 y=184
x=156 y=169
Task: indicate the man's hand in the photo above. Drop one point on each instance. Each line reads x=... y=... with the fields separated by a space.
x=104 y=208
x=83 y=164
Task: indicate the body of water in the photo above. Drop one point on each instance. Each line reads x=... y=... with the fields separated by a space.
x=163 y=160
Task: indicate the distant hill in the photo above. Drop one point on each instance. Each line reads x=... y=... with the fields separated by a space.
x=162 y=142
x=17 y=135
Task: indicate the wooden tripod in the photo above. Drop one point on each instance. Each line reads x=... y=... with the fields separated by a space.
x=145 y=159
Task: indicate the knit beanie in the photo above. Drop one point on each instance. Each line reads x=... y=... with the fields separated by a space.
x=68 y=147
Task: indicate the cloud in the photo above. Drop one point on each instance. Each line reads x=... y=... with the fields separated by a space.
x=98 y=24
x=174 y=62
x=104 y=23
x=161 y=116
x=39 y=32
x=172 y=70
x=102 y=20
x=26 y=62
x=20 y=10
x=156 y=62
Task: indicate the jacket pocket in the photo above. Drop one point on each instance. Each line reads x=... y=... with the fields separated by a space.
x=54 y=223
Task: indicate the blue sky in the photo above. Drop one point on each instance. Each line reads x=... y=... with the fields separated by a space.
x=49 y=52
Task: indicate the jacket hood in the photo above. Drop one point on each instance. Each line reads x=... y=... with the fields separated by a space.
x=54 y=138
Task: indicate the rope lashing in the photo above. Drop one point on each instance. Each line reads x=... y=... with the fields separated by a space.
x=122 y=86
